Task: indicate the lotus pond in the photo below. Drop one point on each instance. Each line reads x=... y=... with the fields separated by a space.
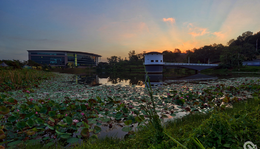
x=60 y=111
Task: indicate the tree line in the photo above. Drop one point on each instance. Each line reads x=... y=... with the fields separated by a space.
x=244 y=48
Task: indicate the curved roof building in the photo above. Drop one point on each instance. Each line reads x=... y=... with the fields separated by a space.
x=153 y=62
x=62 y=58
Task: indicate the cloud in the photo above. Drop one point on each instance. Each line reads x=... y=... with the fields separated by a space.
x=171 y=20
x=219 y=34
x=197 y=31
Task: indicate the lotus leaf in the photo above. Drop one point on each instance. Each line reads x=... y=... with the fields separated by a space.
x=49 y=144
x=39 y=121
x=2 y=134
x=51 y=119
x=15 y=143
x=4 y=110
x=83 y=107
x=50 y=127
x=21 y=124
x=85 y=132
x=30 y=132
x=12 y=119
x=127 y=129
x=30 y=123
x=96 y=129
x=52 y=113
x=118 y=115
x=43 y=110
x=62 y=124
x=73 y=140
x=128 y=122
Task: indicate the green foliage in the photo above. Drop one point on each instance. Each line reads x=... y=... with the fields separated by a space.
x=25 y=78
x=229 y=131
x=231 y=57
x=205 y=54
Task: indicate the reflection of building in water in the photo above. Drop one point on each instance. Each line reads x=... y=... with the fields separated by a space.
x=155 y=80
x=87 y=79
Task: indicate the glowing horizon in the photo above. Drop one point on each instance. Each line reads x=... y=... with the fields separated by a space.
x=115 y=28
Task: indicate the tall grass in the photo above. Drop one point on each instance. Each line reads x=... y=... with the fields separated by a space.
x=21 y=78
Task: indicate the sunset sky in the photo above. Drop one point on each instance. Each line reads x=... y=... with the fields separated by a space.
x=115 y=27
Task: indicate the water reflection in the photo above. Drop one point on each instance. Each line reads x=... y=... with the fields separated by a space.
x=155 y=80
x=91 y=80
x=137 y=80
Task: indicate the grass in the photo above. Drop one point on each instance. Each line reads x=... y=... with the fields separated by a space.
x=180 y=129
x=21 y=78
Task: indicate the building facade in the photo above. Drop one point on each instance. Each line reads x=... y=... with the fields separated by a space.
x=63 y=58
x=153 y=62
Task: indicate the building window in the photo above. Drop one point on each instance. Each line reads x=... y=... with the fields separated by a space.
x=161 y=60
x=46 y=53
x=156 y=60
x=151 y=60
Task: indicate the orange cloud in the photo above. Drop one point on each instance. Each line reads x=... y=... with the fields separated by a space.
x=219 y=34
x=197 y=31
x=171 y=20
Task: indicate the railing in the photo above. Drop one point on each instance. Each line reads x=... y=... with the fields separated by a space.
x=193 y=64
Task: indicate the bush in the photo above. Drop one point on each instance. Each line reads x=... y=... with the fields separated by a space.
x=224 y=131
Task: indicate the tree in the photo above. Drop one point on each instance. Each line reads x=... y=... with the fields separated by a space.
x=230 y=42
x=113 y=60
x=231 y=57
x=249 y=51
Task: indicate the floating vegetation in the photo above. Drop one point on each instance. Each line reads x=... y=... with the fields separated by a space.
x=58 y=111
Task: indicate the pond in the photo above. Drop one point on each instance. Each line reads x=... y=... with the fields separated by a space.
x=138 y=80
x=118 y=101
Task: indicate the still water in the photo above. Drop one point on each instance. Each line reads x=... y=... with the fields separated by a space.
x=138 y=81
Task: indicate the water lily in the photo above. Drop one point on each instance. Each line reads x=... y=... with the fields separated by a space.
x=82 y=113
x=31 y=99
x=66 y=115
x=18 y=110
x=36 y=112
x=28 y=91
x=75 y=121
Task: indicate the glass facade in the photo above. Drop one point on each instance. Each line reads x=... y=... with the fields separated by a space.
x=70 y=57
x=48 y=60
x=84 y=60
x=61 y=58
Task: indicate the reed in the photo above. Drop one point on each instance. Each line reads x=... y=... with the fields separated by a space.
x=17 y=79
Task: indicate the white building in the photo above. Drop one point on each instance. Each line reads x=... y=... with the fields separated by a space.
x=153 y=62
